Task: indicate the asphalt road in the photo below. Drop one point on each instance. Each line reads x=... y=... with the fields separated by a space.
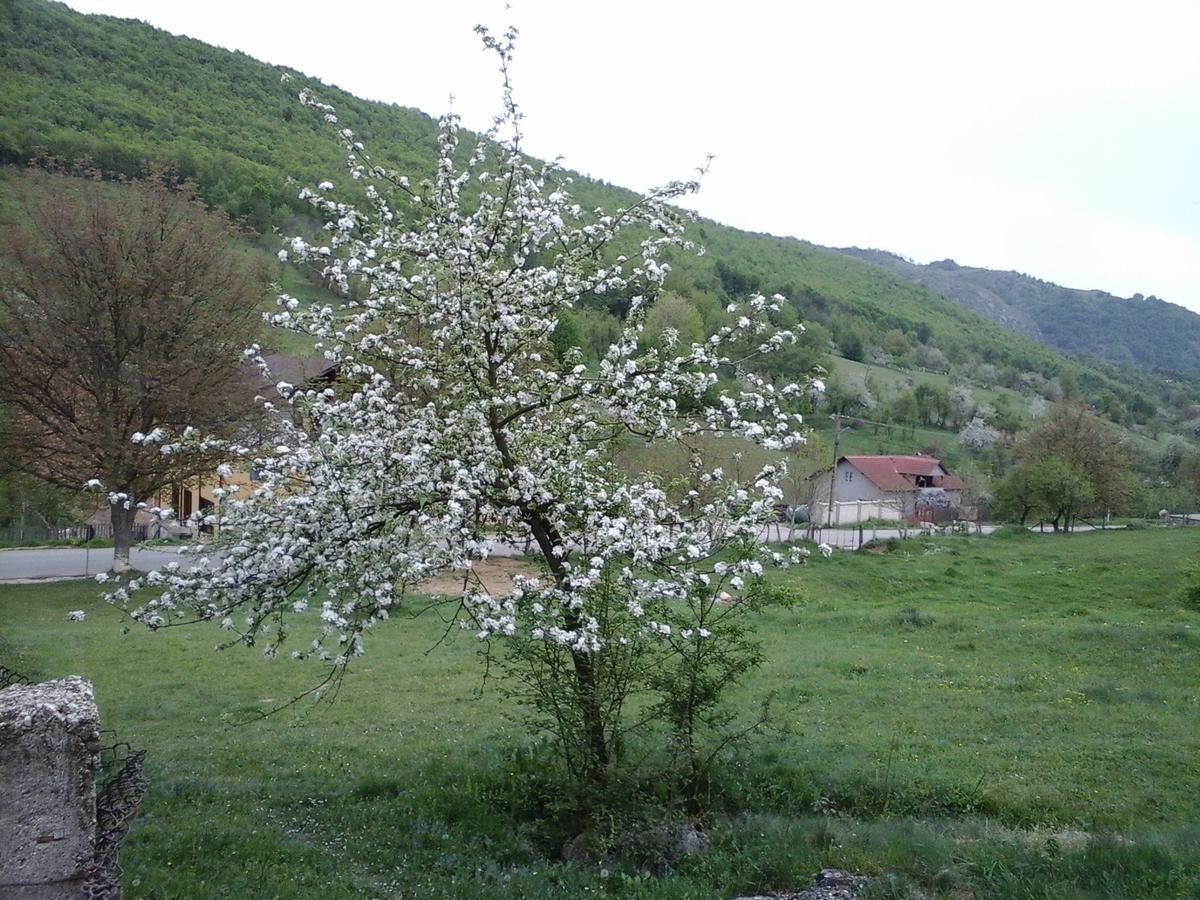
x=74 y=562
x=51 y=563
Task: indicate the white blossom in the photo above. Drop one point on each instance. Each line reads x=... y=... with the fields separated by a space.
x=457 y=423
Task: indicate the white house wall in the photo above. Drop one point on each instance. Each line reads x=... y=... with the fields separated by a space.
x=859 y=487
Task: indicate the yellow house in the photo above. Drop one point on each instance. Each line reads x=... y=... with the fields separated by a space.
x=198 y=494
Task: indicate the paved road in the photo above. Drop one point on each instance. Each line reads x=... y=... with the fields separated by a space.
x=58 y=563
x=73 y=562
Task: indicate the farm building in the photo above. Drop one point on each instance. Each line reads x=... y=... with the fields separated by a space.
x=886 y=487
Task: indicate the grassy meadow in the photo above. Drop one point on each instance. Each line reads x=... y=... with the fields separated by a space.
x=1009 y=716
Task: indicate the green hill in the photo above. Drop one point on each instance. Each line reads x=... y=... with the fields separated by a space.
x=121 y=92
x=1145 y=332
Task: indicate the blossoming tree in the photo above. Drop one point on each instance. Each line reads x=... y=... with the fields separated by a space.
x=462 y=431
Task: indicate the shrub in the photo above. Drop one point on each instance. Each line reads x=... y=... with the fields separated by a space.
x=1190 y=593
x=913 y=618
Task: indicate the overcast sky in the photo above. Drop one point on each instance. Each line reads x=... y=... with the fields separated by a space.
x=1061 y=139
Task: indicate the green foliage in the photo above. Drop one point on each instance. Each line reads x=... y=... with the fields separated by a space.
x=27 y=501
x=1190 y=590
x=674 y=315
x=1071 y=464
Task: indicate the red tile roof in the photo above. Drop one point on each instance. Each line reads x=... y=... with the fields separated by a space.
x=898 y=473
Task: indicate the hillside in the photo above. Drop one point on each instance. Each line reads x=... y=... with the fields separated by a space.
x=120 y=92
x=1145 y=332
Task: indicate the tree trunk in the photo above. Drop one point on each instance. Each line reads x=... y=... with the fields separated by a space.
x=595 y=739
x=593 y=720
x=552 y=548
x=122 y=529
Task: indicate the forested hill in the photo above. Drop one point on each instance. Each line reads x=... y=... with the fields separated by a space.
x=122 y=92
x=1141 y=331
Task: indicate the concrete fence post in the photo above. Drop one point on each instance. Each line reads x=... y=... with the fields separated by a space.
x=49 y=744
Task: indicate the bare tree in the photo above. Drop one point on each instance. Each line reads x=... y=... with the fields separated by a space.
x=123 y=310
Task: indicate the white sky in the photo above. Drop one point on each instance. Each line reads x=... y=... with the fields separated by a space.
x=1057 y=138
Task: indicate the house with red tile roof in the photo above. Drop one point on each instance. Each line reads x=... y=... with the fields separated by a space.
x=897 y=481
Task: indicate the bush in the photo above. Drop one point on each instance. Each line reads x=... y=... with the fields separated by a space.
x=913 y=618
x=1190 y=593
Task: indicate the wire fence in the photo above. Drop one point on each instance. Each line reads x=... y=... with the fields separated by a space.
x=120 y=789
x=31 y=535
x=9 y=677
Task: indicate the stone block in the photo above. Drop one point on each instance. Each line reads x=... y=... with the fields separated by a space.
x=49 y=744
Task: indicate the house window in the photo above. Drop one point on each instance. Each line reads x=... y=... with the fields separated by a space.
x=848 y=476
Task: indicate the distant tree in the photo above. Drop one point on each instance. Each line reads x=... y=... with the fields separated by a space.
x=977 y=435
x=849 y=342
x=1004 y=417
x=672 y=320
x=123 y=313
x=931 y=358
x=806 y=357
x=1187 y=473
x=903 y=408
x=1018 y=495
x=986 y=374
x=847 y=396
x=896 y=342
x=598 y=331
x=1070 y=464
x=1068 y=383
x=962 y=406
x=734 y=281
x=932 y=404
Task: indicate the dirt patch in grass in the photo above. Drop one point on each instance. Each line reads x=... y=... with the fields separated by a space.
x=496 y=576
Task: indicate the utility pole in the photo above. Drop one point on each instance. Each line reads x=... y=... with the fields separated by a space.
x=837 y=434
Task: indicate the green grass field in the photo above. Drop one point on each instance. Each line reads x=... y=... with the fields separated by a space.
x=952 y=713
